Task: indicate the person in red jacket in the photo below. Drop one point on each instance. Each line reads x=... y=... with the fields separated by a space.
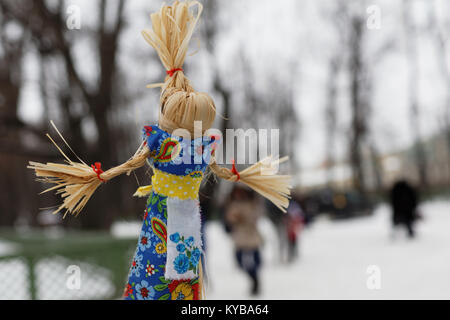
x=294 y=221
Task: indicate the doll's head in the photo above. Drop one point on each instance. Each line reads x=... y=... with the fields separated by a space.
x=180 y=104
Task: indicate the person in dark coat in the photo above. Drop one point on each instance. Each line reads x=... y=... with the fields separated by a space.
x=404 y=201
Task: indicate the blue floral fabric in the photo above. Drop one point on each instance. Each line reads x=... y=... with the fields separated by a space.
x=146 y=280
x=188 y=254
x=190 y=156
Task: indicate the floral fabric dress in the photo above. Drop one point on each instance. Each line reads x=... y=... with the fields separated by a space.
x=168 y=255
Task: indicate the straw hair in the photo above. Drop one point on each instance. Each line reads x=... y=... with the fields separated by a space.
x=181 y=110
x=172 y=29
x=180 y=105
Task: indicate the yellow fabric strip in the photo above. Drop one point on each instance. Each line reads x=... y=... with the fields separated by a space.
x=174 y=186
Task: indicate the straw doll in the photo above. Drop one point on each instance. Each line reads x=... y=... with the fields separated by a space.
x=167 y=261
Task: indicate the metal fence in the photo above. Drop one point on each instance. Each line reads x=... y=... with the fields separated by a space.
x=41 y=266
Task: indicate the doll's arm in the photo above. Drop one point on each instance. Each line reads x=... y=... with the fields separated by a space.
x=260 y=177
x=76 y=182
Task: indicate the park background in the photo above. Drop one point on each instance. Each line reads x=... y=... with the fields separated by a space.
x=358 y=89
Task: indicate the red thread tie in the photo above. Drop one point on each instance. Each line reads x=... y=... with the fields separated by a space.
x=234 y=171
x=98 y=170
x=172 y=72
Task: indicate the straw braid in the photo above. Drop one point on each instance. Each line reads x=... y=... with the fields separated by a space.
x=172 y=29
x=77 y=182
x=260 y=177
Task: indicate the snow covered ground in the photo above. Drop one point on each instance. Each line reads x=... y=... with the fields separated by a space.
x=7 y=248
x=333 y=264
x=335 y=257
x=51 y=280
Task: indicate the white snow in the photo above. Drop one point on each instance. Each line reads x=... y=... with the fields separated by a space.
x=15 y=285
x=54 y=280
x=7 y=248
x=126 y=229
x=335 y=256
x=333 y=263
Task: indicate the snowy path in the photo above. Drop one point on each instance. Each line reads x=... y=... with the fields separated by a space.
x=335 y=257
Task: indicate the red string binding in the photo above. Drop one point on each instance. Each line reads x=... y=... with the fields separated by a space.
x=172 y=72
x=98 y=170
x=234 y=171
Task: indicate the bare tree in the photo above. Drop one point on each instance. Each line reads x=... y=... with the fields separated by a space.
x=358 y=106
x=210 y=32
x=339 y=17
x=411 y=49
x=47 y=25
x=331 y=116
x=11 y=55
x=440 y=39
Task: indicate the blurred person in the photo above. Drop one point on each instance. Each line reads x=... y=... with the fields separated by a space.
x=404 y=201
x=241 y=215
x=294 y=221
x=278 y=220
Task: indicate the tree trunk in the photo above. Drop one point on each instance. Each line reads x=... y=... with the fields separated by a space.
x=358 y=126
x=411 y=48
x=442 y=53
x=330 y=115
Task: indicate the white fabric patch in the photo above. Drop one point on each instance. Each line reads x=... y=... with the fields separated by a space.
x=183 y=230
